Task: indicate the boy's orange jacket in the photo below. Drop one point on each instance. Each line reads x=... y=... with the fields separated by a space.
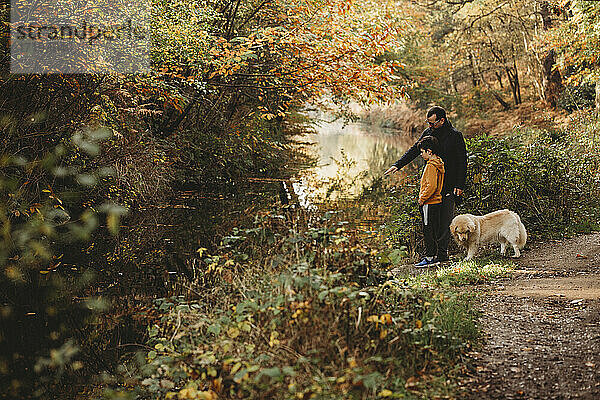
x=432 y=182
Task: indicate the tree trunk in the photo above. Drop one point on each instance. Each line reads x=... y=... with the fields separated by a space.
x=513 y=81
x=499 y=78
x=517 y=85
x=474 y=79
x=494 y=93
x=598 y=96
x=551 y=79
x=500 y=100
x=545 y=13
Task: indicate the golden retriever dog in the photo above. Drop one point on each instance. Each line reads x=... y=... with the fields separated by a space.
x=503 y=226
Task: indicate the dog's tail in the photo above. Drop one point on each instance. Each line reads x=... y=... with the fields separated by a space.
x=522 y=233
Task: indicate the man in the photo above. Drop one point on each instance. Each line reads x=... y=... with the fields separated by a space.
x=454 y=154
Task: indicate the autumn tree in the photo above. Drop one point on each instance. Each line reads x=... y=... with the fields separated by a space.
x=577 y=42
x=288 y=51
x=494 y=47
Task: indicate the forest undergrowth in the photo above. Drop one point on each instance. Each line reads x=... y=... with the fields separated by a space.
x=304 y=304
x=323 y=303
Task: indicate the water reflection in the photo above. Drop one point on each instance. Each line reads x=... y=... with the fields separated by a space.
x=349 y=156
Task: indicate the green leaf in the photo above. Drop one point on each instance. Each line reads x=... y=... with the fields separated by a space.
x=273 y=373
x=215 y=329
x=240 y=375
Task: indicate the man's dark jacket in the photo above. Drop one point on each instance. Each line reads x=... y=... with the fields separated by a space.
x=453 y=153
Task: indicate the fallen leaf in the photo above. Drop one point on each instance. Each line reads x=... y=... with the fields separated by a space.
x=411 y=382
x=590 y=364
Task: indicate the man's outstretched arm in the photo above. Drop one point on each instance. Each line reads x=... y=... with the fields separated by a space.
x=410 y=155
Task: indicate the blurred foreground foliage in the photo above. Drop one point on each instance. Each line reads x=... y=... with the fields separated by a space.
x=43 y=301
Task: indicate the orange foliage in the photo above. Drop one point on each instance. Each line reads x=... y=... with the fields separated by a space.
x=316 y=48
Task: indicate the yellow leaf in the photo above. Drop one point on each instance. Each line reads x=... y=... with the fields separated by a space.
x=386 y=393
x=273 y=341
x=112 y=222
x=193 y=394
x=210 y=395
x=372 y=318
x=233 y=332
x=236 y=368
x=419 y=324
x=187 y=393
x=386 y=319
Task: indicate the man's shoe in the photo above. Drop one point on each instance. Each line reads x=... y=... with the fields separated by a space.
x=426 y=263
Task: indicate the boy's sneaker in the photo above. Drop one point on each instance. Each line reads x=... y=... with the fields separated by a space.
x=426 y=263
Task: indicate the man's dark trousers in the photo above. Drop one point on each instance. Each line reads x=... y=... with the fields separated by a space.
x=446 y=216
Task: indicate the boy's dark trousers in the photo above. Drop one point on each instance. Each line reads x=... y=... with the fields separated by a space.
x=430 y=215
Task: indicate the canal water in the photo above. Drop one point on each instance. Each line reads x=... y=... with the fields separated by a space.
x=348 y=157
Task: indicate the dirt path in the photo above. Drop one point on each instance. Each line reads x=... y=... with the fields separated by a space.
x=542 y=327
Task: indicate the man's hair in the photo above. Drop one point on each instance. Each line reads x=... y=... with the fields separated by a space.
x=438 y=111
x=429 y=143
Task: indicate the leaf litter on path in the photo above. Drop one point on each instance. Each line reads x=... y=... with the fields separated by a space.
x=542 y=331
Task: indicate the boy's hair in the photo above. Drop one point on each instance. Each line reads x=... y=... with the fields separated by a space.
x=429 y=143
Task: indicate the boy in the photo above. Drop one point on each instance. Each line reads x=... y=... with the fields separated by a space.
x=430 y=197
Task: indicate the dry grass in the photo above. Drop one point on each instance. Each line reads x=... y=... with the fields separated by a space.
x=399 y=115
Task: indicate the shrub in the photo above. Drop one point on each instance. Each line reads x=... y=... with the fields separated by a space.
x=405 y=228
x=306 y=333
x=577 y=97
x=548 y=178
